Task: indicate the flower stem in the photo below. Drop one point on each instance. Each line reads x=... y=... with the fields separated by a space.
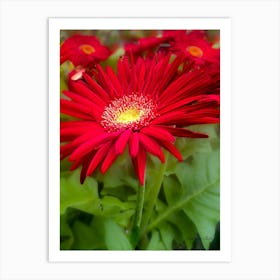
x=135 y=233
x=153 y=194
x=139 y=206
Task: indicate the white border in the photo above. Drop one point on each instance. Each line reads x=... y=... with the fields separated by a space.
x=55 y=254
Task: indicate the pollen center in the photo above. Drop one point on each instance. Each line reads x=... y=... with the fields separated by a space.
x=132 y=111
x=87 y=49
x=195 y=51
x=130 y=115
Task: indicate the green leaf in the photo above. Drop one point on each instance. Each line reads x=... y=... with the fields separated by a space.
x=120 y=212
x=186 y=227
x=88 y=237
x=73 y=194
x=155 y=242
x=115 y=238
x=196 y=192
x=121 y=173
x=66 y=236
x=166 y=235
x=100 y=234
x=200 y=179
x=204 y=211
x=191 y=146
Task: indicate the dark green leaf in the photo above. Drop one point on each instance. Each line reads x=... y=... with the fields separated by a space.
x=66 y=236
x=88 y=237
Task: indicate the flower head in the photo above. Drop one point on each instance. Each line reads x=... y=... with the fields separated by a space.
x=143 y=107
x=147 y=45
x=195 y=47
x=83 y=50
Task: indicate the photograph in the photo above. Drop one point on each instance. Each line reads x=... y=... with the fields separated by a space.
x=139 y=139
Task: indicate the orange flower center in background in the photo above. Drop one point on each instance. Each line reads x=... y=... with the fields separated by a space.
x=87 y=49
x=130 y=111
x=195 y=51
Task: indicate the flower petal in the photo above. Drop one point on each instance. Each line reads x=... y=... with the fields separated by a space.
x=151 y=146
x=158 y=133
x=182 y=132
x=172 y=149
x=122 y=141
x=98 y=157
x=91 y=144
x=139 y=163
x=134 y=144
x=109 y=159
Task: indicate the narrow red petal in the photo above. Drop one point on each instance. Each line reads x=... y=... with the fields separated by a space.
x=122 y=72
x=134 y=144
x=96 y=109
x=139 y=163
x=122 y=141
x=172 y=149
x=141 y=76
x=91 y=144
x=85 y=168
x=182 y=132
x=109 y=159
x=75 y=110
x=98 y=157
x=67 y=149
x=115 y=82
x=96 y=87
x=151 y=146
x=170 y=118
x=158 y=133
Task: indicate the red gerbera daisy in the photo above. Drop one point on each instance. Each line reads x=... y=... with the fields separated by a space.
x=144 y=106
x=83 y=50
x=195 y=48
x=144 y=44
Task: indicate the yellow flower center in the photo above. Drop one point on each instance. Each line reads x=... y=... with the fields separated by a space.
x=195 y=51
x=132 y=111
x=87 y=49
x=128 y=116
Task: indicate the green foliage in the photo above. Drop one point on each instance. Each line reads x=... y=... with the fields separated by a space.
x=72 y=194
x=181 y=206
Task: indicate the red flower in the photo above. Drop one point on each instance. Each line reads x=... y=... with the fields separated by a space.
x=144 y=106
x=83 y=50
x=145 y=44
x=195 y=48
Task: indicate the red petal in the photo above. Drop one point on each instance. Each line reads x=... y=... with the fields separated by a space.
x=85 y=168
x=96 y=87
x=151 y=146
x=109 y=159
x=96 y=109
x=141 y=76
x=91 y=144
x=115 y=82
x=100 y=154
x=172 y=149
x=158 y=133
x=172 y=118
x=82 y=89
x=182 y=132
x=123 y=69
x=139 y=163
x=75 y=110
x=134 y=144
x=122 y=141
